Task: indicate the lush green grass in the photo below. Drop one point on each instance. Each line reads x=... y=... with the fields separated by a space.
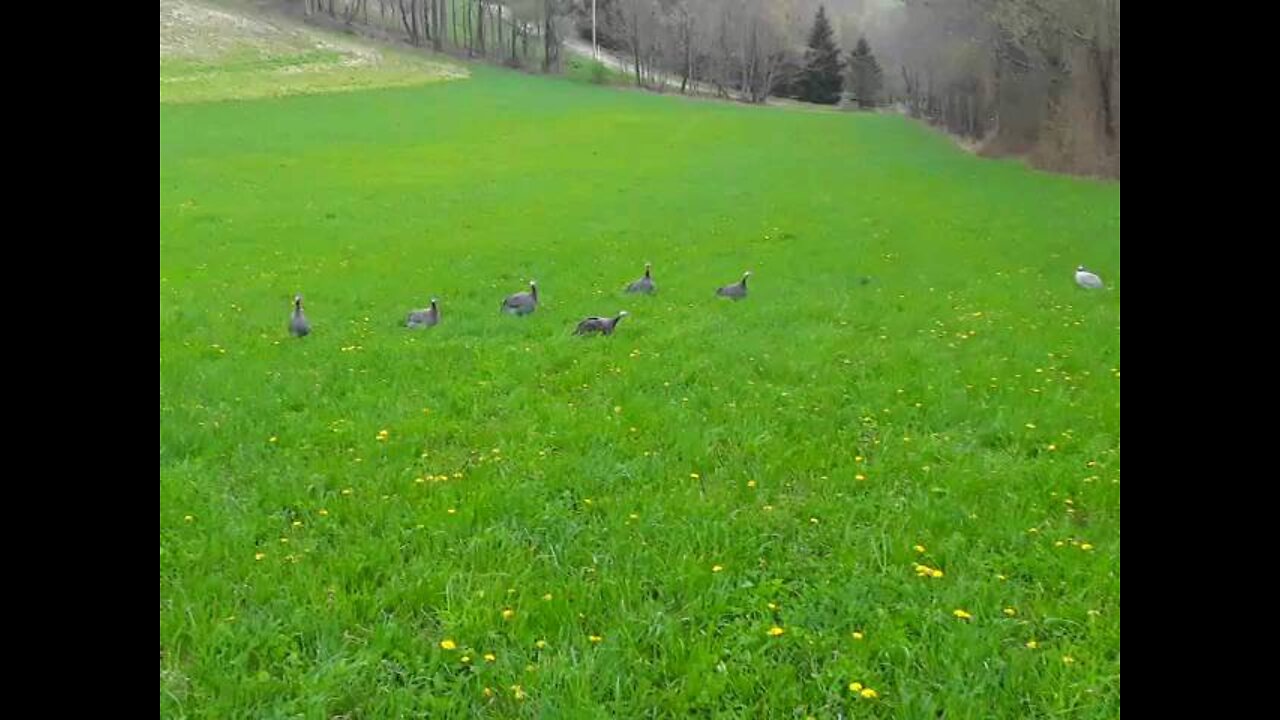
x=966 y=399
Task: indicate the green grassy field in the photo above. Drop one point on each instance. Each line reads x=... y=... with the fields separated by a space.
x=694 y=517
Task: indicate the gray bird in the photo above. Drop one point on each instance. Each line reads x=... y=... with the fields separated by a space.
x=1087 y=280
x=738 y=290
x=298 y=325
x=644 y=284
x=522 y=303
x=599 y=324
x=424 y=318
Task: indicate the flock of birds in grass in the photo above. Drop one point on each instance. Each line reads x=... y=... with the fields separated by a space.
x=524 y=303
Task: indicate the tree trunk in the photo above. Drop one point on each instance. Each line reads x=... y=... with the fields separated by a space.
x=550 y=52
x=514 y=60
x=689 y=57
x=437 y=10
x=466 y=30
x=635 y=40
x=410 y=28
x=1102 y=61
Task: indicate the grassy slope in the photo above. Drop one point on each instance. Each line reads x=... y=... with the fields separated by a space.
x=225 y=50
x=570 y=461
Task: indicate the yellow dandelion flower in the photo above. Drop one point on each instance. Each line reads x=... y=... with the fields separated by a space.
x=775 y=631
x=1010 y=611
x=813 y=520
x=547 y=597
x=490 y=657
x=297 y=523
x=1033 y=531
x=508 y=614
x=773 y=606
x=869 y=694
x=859 y=476
x=1032 y=644
x=1052 y=447
x=448 y=644
x=272 y=439
x=695 y=476
x=855 y=687
x=961 y=614
x=717 y=568
x=633 y=516
x=595 y=638
x=751 y=483
x=1059 y=543
x=452 y=511
x=1068 y=660
x=767 y=508
x=259 y=556
x=935 y=574
x=488 y=692
x=465 y=659
x=1001 y=578
x=541 y=644
x=347 y=491
x=920 y=549
x=858 y=636
x=188 y=518
x=518 y=692
x=1086 y=546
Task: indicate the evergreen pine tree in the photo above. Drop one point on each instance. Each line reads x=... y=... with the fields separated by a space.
x=865 y=77
x=821 y=79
